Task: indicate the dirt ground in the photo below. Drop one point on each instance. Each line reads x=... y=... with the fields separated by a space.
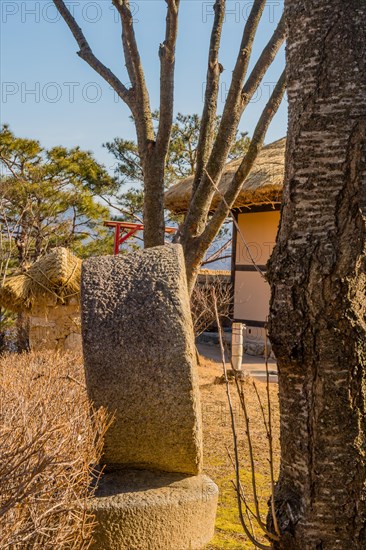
x=218 y=440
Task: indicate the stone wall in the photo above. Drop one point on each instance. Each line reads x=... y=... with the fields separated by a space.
x=55 y=327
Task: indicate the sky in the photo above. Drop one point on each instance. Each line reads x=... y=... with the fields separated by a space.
x=48 y=93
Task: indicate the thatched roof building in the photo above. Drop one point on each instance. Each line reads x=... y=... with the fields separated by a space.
x=257 y=212
x=263 y=185
x=51 y=281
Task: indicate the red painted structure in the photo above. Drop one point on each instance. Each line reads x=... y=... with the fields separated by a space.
x=125 y=230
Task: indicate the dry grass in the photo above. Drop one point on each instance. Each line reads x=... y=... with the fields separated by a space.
x=218 y=436
x=49 y=437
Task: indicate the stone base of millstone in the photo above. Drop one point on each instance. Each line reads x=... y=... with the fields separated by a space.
x=143 y=510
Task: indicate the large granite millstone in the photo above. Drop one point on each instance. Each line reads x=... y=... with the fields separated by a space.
x=142 y=510
x=140 y=359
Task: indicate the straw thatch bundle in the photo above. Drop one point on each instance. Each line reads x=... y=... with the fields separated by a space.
x=52 y=280
x=263 y=185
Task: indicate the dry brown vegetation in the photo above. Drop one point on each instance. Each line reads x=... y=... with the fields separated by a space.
x=49 y=440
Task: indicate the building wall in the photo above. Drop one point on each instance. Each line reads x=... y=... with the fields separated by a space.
x=251 y=291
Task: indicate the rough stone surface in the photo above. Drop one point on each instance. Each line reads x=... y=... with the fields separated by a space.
x=73 y=342
x=140 y=359
x=254 y=348
x=55 y=327
x=141 y=510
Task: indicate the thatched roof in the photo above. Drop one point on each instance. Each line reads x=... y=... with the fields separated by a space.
x=214 y=272
x=212 y=275
x=52 y=280
x=263 y=185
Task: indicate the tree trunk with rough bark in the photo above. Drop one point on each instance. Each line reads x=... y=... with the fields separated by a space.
x=154 y=225
x=22 y=327
x=317 y=274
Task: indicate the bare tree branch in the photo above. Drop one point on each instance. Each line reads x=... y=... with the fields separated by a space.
x=87 y=54
x=9 y=166
x=245 y=167
x=152 y=153
x=217 y=255
x=202 y=195
x=240 y=233
x=267 y=56
x=201 y=199
x=214 y=70
x=202 y=305
x=167 y=66
x=121 y=210
x=141 y=107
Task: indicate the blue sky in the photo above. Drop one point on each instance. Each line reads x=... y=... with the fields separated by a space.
x=49 y=93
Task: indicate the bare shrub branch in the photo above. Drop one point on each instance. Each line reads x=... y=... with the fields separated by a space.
x=239 y=492
x=203 y=306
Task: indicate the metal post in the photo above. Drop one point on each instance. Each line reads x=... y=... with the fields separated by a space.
x=116 y=239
